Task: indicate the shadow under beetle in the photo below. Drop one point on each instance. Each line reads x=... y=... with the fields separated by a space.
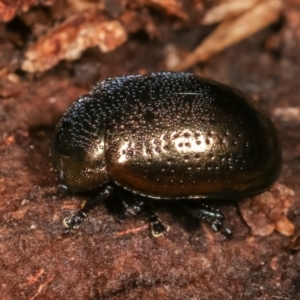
x=165 y=136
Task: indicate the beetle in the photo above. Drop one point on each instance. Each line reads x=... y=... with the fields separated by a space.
x=165 y=136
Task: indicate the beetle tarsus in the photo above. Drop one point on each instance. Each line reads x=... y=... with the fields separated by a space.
x=137 y=206
x=158 y=228
x=226 y=232
x=72 y=223
x=209 y=215
x=218 y=226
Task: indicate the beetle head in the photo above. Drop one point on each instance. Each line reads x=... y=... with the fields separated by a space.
x=79 y=148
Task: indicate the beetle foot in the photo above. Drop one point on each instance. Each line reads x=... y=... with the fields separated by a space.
x=73 y=222
x=158 y=228
x=217 y=226
x=137 y=206
x=209 y=215
x=215 y=219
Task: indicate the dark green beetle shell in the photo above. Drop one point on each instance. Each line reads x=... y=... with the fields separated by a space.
x=167 y=136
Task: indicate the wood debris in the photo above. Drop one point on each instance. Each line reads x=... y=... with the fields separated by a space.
x=227 y=9
x=287 y=114
x=233 y=31
x=8 y=9
x=267 y=212
x=71 y=38
x=170 y=7
x=132 y=230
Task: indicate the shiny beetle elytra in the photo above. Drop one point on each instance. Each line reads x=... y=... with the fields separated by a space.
x=165 y=136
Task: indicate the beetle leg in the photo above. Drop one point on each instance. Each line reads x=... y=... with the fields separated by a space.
x=76 y=219
x=139 y=207
x=211 y=216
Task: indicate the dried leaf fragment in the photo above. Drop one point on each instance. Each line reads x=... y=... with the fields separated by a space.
x=9 y=8
x=267 y=212
x=233 y=31
x=71 y=38
x=287 y=113
x=170 y=7
x=227 y=10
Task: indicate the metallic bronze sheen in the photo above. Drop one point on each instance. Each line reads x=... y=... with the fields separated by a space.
x=167 y=136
